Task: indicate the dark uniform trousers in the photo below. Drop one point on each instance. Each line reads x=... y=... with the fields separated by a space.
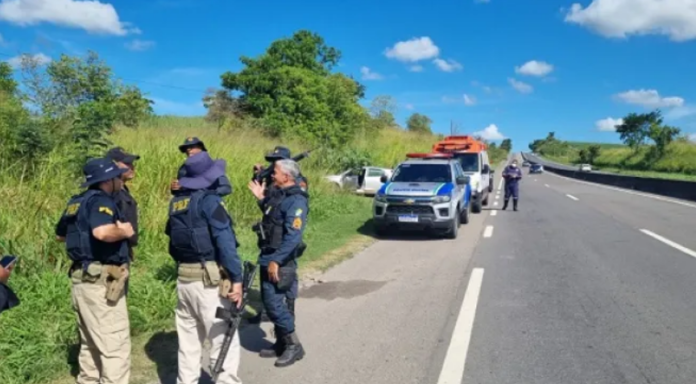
x=273 y=296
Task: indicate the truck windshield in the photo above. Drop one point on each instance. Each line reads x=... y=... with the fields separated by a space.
x=469 y=161
x=422 y=173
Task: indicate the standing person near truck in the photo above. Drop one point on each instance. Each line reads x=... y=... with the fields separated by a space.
x=512 y=175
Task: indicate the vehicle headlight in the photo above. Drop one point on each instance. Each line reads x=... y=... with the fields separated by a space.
x=381 y=198
x=441 y=199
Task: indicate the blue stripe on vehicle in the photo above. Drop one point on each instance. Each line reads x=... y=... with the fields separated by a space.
x=444 y=189
x=383 y=190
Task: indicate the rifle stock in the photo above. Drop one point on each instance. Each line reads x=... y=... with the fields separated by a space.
x=233 y=317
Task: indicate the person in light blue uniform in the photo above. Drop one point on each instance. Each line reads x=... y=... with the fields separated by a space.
x=512 y=176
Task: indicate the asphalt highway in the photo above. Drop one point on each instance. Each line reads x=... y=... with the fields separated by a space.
x=585 y=284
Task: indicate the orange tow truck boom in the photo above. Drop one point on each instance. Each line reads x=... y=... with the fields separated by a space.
x=459 y=144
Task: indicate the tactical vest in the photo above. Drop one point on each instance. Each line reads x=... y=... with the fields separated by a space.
x=190 y=238
x=273 y=222
x=79 y=240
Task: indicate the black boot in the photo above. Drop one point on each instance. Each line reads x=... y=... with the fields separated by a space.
x=277 y=348
x=514 y=204
x=505 y=204
x=293 y=351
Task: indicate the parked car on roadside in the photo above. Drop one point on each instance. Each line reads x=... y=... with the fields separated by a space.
x=363 y=181
x=585 y=168
x=536 y=168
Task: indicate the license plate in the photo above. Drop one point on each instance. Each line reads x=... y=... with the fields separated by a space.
x=408 y=219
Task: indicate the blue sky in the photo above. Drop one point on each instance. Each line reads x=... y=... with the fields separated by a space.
x=527 y=67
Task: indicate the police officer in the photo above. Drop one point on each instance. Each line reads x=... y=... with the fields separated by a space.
x=512 y=175
x=124 y=199
x=280 y=239
x=8 y=299
x=278 y=153
x=96 y=238
x=202 y=241
x=191 y=147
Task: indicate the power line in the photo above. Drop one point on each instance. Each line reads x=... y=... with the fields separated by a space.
x=138 y=81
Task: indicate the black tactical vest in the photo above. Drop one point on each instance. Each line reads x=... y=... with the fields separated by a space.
x=79 y=240
x=272 y=221
x=190 y=238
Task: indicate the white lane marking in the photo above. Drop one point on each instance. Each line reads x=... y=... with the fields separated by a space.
x=500 y=184
x=488 y=232
x=535 y=179
x=656 y=197
x=455 y=360
x=546 y=185
x=572 y=197
x=670 y=243
x=495 y=203
x=493 y=213
x=497 y=197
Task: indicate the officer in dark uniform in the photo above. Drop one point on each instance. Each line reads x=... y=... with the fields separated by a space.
x=8 y=299
x=124 y=199
x=96 y=237
x=204 y=246
x=512 y=175
x=280 y=239
x=193 y=146
x=279 y=153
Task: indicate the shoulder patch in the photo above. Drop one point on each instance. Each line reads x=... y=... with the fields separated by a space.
x=180 y=205
x=106 y=210
x=297 y=223
x=71 y=210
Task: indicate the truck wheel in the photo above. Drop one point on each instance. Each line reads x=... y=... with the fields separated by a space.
x=465 y=214
x=490 y=185
x=476 y=208
x=454 y=228
x=485 y=201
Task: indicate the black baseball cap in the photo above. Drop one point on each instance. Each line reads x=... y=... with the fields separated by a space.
x=119 y=155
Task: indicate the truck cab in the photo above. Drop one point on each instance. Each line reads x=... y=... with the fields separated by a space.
x=473 y=158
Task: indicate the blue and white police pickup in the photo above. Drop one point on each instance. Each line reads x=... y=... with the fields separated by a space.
x=424 y=193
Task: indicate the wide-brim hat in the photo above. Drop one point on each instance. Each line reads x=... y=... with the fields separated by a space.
x=190 y=142
x=202 y=171
x=279 y=153
x=101 y=169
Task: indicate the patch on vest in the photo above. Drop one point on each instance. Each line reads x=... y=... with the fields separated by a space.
x=298 y=212
x=106 y=210
x=297 y=223
x=180 y=205
x=72 y=209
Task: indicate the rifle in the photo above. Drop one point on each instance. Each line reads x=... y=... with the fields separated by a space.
x=233 y=317
x=265 y=173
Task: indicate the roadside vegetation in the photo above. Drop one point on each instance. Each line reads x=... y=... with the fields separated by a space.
x=74 y=108
x=650 y=149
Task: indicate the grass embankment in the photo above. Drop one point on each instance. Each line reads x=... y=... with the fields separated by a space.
x=40 y=334
x=678 y=163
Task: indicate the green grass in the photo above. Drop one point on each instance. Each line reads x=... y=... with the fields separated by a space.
x=678 y=163
x=38 y=335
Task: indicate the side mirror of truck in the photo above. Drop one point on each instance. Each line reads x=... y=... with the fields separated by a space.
x=383 y=178
x=463 y=180
x=486 y=169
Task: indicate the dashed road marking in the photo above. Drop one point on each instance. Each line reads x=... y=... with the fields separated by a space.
x=572 y=197
x=493 y=213
x=670 y=242
x=488 y=232
x=495 y=203
x=546 y=185
x=455 y=360
x=500 y=184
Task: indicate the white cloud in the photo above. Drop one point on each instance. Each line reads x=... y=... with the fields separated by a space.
x=90 y=15
x=40 y=58
x=680 y=112
x=649 y=98
x=621 y=18
x=608 y=125
x=534 y=68
x=416 y=68
x=409 y=107
x=520 y=86
x=469 y=100
x=415 y=49
x=140 y=45
x=367 y=74
x=491 y=132
x=447 y=65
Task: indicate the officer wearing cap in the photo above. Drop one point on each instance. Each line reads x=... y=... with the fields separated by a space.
x=512 y=176
x=124 y=199
x=96 y=239
x=278 y=153
x=203 y=244
x=280 y=240
x=191 y=147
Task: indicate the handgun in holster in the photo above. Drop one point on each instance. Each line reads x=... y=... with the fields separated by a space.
x=116 y=276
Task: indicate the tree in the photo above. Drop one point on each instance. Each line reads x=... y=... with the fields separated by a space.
x=7 y=83
x=506 y=145
x=419 y=123
x=589 y=155
x=382 y=109
x=292 y=89
x=634 y=129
